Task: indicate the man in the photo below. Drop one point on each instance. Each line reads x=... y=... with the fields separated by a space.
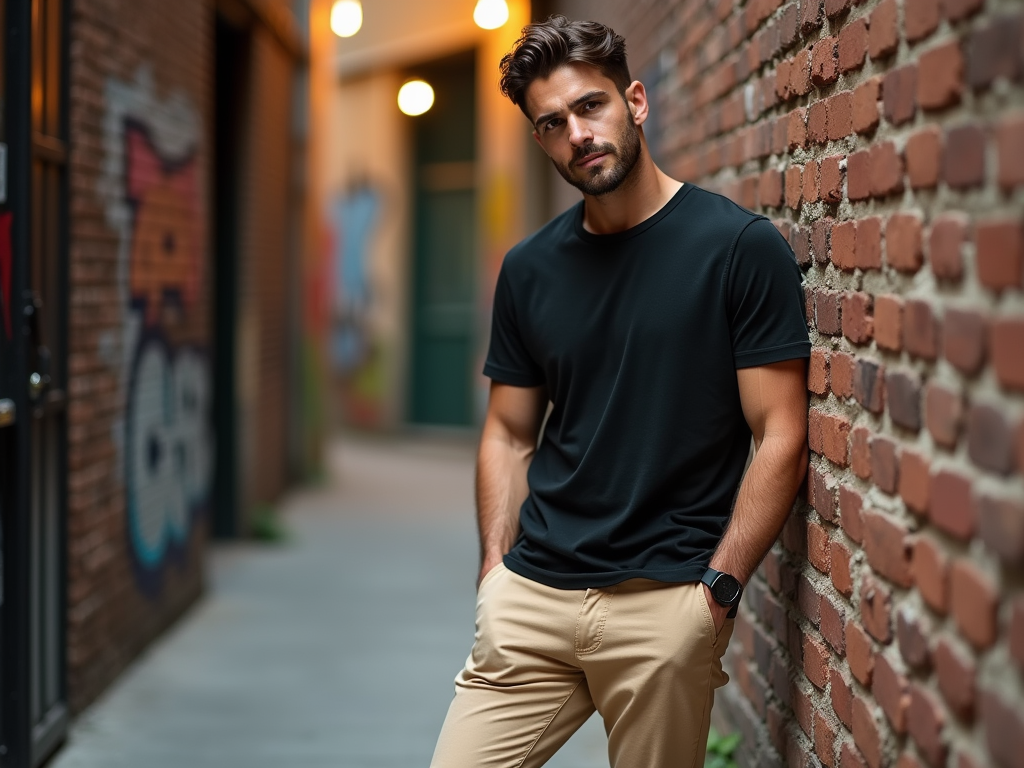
x=665 y=326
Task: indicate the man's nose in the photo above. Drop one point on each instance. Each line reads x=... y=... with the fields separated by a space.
x=579 y=131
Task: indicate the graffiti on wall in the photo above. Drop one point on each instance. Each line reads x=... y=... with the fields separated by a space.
x=355 y=352
x=153 y=193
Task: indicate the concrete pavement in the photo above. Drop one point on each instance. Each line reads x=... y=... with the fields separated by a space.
x=337 y=648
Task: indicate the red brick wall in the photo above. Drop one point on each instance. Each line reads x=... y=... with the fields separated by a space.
x=886 y=140
x=140 y=78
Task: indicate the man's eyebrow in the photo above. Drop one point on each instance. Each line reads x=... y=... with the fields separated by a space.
x=589 y=96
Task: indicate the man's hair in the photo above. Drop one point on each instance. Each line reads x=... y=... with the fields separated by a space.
x=544 y=47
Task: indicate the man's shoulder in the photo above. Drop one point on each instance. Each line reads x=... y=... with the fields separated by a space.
x=551 y=237
x=716 y=211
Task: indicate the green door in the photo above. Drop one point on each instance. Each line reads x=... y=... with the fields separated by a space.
x=444 y=274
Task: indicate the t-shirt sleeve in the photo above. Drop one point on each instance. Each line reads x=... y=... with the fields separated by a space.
x=508 y=360
x=765 y=299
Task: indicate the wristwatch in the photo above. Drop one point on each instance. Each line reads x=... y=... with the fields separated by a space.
x=726 y=589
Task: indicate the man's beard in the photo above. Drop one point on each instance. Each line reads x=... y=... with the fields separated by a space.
x=600 y=181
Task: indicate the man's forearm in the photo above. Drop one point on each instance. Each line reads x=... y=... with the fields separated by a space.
x=500 y=491
x=762 y=506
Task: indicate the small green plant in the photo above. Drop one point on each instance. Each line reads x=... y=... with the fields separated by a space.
x=721 y=749
x=267 y=526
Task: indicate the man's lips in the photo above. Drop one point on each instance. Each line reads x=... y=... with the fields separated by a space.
x=591 y=159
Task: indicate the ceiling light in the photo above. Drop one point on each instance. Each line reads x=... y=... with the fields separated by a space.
x=415 y=97
x=490 y=14
x=346 y=17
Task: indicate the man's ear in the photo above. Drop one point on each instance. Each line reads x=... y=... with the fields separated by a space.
x=636 y=100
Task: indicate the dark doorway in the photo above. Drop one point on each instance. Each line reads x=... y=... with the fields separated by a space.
x=445 y=236
x=231 y=41
x=33 y=385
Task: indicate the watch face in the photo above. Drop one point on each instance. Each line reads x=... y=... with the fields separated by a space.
x=726 y=589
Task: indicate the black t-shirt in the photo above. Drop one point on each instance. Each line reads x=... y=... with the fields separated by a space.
x=637 y=336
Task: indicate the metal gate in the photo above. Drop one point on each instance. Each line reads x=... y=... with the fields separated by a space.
x=33 y=402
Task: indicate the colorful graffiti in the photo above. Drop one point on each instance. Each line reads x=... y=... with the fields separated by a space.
x=355 y=353
x=153 y=192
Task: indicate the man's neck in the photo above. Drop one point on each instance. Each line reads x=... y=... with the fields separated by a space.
x=640 y=196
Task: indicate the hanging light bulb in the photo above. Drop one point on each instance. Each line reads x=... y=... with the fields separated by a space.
x=415 y=97
x=490 y=14
x=346 y=17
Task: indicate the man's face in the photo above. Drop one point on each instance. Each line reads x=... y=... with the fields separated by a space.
x=585 y=126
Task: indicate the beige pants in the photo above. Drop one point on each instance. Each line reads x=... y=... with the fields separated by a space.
x=642 y=653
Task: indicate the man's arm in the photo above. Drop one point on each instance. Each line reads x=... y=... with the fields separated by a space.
x=774 y=401
x=507 y=445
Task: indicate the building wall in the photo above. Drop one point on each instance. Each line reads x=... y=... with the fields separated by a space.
x=138 y=323
x=886 y=141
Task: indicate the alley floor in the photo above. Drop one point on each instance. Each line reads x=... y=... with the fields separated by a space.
x=336 y=648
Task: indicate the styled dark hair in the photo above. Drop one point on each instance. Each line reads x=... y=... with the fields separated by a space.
x=547 y=45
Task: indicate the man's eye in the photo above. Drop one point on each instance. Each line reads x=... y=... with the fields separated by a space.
x=591 y=105
x=551 y=125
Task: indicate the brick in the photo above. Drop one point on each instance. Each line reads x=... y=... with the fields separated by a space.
x=824 y=61
x=803 y=709
x=884 y=464
x=821 y=231
x=1010 y=150
x=867 y=734
x=903 y=242
x=839 y=115
x=794 y=535
x=860 y=459
x=963 y=162
x=994 y=51
x=868 y=249
x=915 y=482
x=883 y=32
x=886 y=169
x=822 y=494
x=783 y=74
x=780 y=139
x=825 y=731
x=858 y=175
x=929 y=567
x=1001 y=527
x=831 y=179
x=926 y=722
x=892 y=692
x=808 y=599
x=839 y=560
x=800 y=73
x=794 y=186
x=770 y=190
x=810 y=190
x=958 y=10
x=963 y=339
x=841 y=367
x=817 y=372
x=1007 y=340
x=817 y=122
x=913 y=634
x=920 y=18
x=796 y=128
x=828 y=312
x=1004 y=730
x=858 y=324
x=849 y=757
x=923 y=154
x=810 y=15
x=789 y=25
x=1017 y=632
x=956 y=674
x=875 y=608
x=869 y=386
x=944 y=84
x=889 y=322
x=908 y=760
x=844 y=245
x=887 y=547
x=836 y=7
x=920 y=329
x=990 y=438
x=951 y=507
x=817 y=547
x=973 y=603
x=944 y=411
x=945 y=243
x=833 y=625
x=816 y=662
x=841 y=695
x=899 y=94
x=865 y=104
x=1000 y=253
x=860 y=654
x=853 y=45
x=903 y=391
